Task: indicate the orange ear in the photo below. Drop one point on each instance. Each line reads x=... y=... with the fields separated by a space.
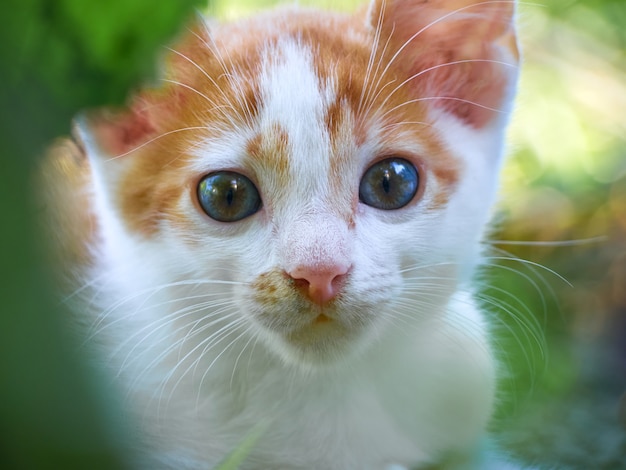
x=462 y=54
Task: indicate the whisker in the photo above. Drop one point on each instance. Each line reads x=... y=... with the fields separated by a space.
x=93 y=281
x=434 y=322
x=226 y=348
x=178 y=344
x=531 y=263
x=427 y=266
x=204 y=72
x=96 y=328
x=393 y=125
x=445 y=98
x=256 y=341
x=554 y=243
x=216 y=107
x=434 y=23
x=436 y=67
x=251 y=331
x=366 y=90
x=370 y=100
x=207 y=343
x=154 y=139
x=526 y=328
x=538 y=339
x=169 y=319
x=234 y=84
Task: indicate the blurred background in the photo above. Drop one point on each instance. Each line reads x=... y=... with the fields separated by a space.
x=565 y=185
x=560 y=315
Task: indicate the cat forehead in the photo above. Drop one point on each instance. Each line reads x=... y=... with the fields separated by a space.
x=289 y=143
x=312 y=134
x=292 y=93
x=303 y=103
x=298 y=80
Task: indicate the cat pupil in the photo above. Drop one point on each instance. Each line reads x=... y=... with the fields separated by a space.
x=386 y=182
x=231 y=193
x=227 y=196
x=389 y=184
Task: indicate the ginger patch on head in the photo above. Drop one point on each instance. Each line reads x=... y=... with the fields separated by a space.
x=269 y=150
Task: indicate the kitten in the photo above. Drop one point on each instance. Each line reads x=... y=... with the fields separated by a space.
x=278 y=240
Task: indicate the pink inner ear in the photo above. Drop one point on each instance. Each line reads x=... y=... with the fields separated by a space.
x=472 y=87
x=458 y=50
x=118 y=133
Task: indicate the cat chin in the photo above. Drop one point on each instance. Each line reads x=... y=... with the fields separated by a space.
x=317 y=347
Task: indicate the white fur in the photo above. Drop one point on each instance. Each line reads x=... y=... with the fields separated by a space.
x=414 y=383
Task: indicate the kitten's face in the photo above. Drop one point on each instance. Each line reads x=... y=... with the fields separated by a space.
x=303 y=163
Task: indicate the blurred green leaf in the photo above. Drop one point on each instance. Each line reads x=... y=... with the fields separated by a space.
x=238 y=456
x=57 y=57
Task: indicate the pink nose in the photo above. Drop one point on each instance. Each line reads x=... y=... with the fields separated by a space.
x=320 y=285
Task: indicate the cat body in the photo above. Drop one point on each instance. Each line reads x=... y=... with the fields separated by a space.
x=315 y=306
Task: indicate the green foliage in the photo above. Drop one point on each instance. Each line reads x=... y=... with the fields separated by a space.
x=57 y=57
x=226 y=9
x=238 y=456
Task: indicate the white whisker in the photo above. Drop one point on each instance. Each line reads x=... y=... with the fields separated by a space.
x=553 y=243
x=226 y=348
x=531 y=263
x=99 y=325
x=434 y=23
x=253 y=336
x=394 y=125
x=436 y=98
x=167 y=320
x=160 y=136
x=234 y=84
x=433 y=68
x=207 y=344
x=216 y=107
x=206 y=75
x=367 y=88
x=178 y=344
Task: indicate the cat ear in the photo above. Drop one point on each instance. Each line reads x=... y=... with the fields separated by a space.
x=114 y=133
x=462 y=54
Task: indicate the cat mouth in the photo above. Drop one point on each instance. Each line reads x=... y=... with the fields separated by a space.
x=321 y=319
x=316 y=336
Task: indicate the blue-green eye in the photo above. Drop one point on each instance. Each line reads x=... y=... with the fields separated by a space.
x=227 y=196
x=389 y=184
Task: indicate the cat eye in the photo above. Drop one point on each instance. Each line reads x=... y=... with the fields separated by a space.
x=227 y=196
x=389 y=184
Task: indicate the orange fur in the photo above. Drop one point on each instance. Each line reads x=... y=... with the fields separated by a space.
x=270 y=151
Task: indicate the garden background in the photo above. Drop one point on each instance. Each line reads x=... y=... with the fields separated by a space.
x=563 y=208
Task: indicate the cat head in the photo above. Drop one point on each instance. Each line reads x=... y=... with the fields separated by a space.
x=326 y=176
